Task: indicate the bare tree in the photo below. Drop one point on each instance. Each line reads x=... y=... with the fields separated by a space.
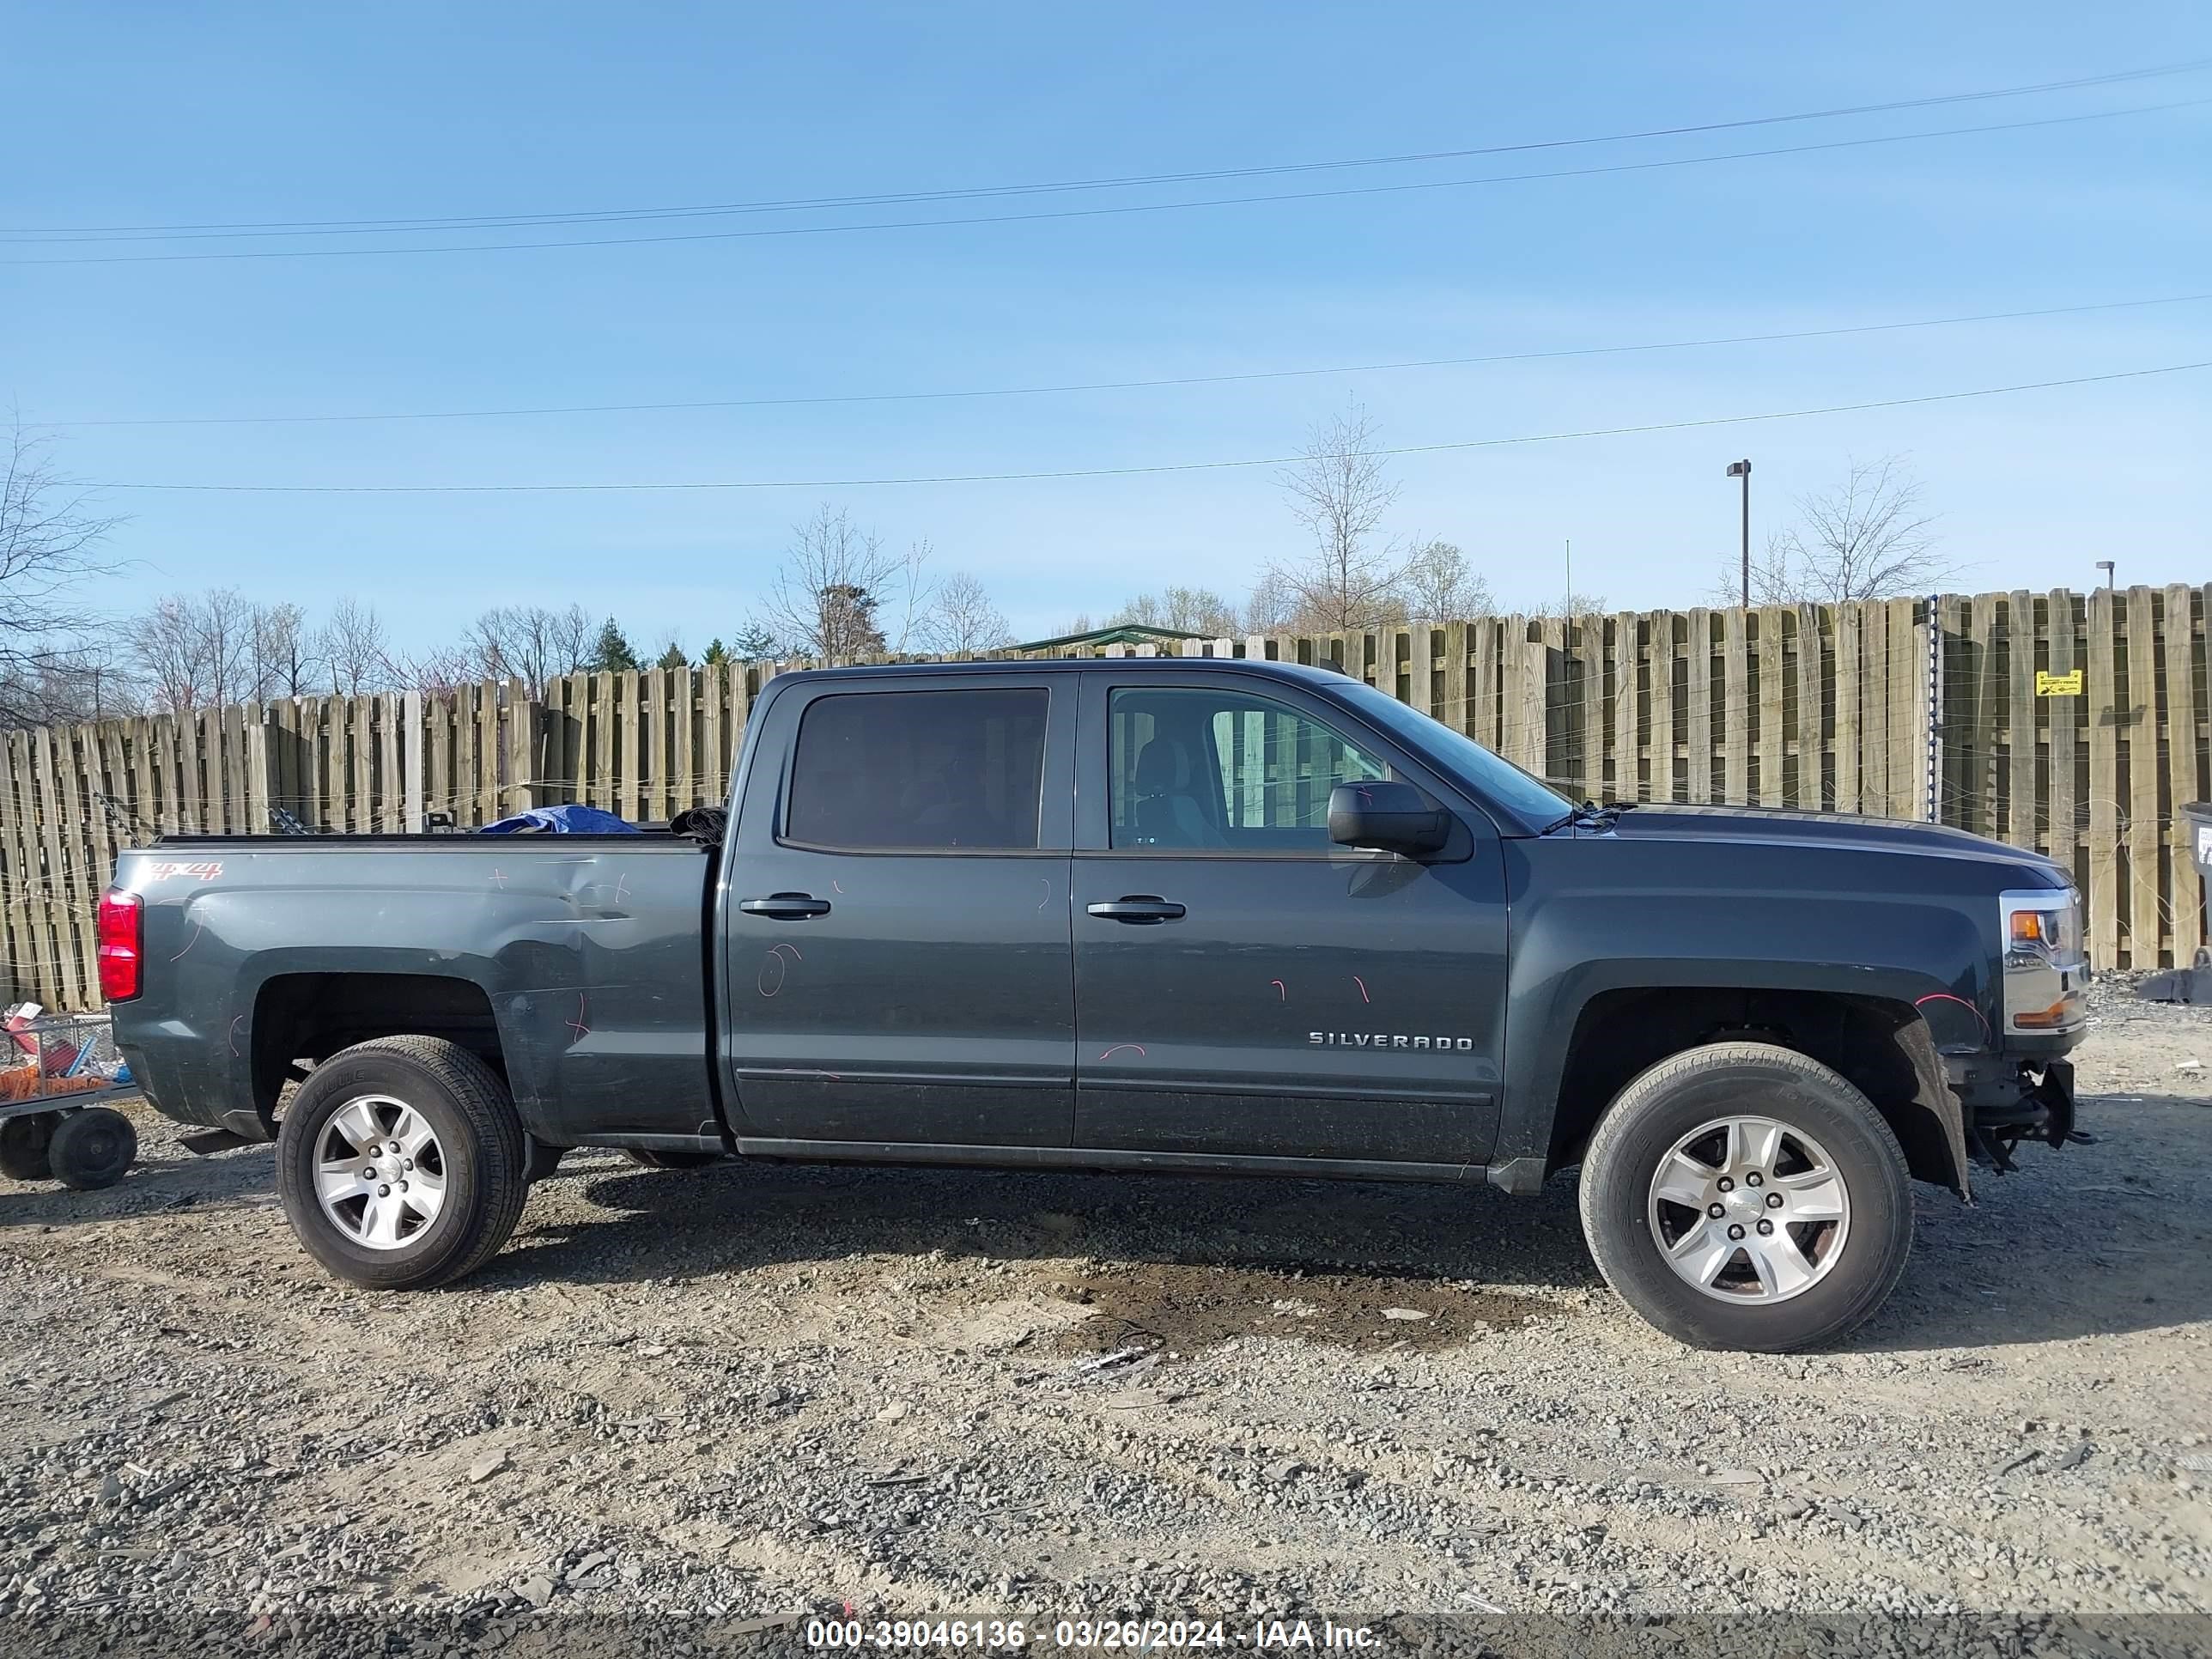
x=49 y=538
x=440 y=672
x=355 y=649
x=1269 y=607
x=199 y=650
x=1183 y=610
x=963 y=618
x=1338 y=490
x=1868 y=538
x=835 y=595
x=89 y=678
x=284 y=665
x=1440 y=584
x=1569 y=605
x=530 y=642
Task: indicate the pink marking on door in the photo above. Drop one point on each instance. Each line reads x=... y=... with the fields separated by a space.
x=1118 y=1047
x=1282 y=994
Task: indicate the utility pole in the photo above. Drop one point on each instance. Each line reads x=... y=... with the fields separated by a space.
x=1743 y=470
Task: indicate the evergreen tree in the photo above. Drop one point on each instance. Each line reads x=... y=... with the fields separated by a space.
x=715 y=655
x=755 y=643
x=612 y=654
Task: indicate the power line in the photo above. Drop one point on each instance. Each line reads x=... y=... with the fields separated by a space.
x=580 y=216
x=1133 y=471
x=1119 y=210
x=1135 y=385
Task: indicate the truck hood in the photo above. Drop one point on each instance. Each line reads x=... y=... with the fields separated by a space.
x=1776 y=826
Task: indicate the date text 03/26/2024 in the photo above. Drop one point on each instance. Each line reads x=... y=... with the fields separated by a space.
x=1085 y=1635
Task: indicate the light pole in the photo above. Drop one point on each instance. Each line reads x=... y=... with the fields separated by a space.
x=2106 y=565
x=1743 y=470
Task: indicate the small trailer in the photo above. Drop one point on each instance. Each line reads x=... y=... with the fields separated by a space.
x=56 y=1073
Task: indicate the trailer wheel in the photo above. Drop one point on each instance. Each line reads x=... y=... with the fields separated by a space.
x=24 y=1144
x=401 y=1162
x=92 y=1148
x=1743 y=1195
x=648 y=1159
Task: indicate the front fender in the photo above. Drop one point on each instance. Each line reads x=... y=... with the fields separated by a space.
x=1919 y=957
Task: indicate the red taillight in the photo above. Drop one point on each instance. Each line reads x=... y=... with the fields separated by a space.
x=121 y=932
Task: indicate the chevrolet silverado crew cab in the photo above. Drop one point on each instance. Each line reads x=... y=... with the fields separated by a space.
x=1202 y=916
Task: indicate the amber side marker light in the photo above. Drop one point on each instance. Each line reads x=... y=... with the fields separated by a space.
x=121 y=932
x=2043 y=1021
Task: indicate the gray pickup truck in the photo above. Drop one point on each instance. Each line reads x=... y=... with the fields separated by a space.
x=1209 y=916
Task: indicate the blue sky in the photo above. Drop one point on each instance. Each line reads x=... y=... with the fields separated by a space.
x=121 y=115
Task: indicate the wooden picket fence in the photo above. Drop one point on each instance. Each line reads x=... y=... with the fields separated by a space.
x=1908 y=709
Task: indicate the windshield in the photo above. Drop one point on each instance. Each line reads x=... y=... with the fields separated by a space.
x=1493 y=775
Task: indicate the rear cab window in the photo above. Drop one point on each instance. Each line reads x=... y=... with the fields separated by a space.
x=919 y=770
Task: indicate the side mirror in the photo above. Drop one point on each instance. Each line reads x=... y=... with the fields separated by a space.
x=1394 y=816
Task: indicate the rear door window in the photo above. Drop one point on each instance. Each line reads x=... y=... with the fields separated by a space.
x=950 y=771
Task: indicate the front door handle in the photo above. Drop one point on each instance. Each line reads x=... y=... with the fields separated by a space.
x=786 y=906
x=1136 y=908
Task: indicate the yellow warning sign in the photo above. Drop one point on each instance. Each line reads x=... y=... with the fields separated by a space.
x=2057 y=685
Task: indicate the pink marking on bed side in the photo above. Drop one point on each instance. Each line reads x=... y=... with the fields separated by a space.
x=1362 y=984
x=1282 y=994
x=577 y=1025
x=1118 y=1047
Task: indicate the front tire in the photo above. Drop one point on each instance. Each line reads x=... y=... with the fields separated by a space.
x=401 y=1164
x=1742 y=1195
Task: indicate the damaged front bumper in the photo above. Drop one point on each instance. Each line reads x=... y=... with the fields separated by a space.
x=2007 y=1100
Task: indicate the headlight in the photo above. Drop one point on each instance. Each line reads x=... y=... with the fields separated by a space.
x=2044 y=969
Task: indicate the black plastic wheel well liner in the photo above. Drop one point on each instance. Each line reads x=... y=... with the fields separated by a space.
x=1881 y=1047
x=310 y=1016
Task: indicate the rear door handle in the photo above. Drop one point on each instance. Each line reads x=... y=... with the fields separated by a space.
x=786 y=906
x=1136 y=908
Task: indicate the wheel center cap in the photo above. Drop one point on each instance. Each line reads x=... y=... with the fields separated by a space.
x=1743 y=1203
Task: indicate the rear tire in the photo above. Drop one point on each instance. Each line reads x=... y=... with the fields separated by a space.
x=23 y=1146
x=646 y=1159
x=1742 y=1195
x=443 y=1172
x=93 y=1148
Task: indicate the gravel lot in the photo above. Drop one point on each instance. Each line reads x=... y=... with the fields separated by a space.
x=760 y=1391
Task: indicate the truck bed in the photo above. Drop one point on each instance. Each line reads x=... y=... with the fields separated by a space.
x=578 y=960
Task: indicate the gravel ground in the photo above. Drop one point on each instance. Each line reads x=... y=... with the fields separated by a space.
x=753 y=1392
